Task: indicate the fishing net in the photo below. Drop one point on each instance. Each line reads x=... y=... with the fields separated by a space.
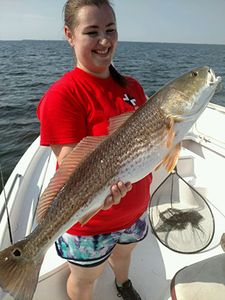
x=180 y=217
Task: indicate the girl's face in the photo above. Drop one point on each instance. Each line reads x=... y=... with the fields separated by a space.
x=94 y=39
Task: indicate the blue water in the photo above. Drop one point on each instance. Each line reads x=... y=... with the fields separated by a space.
x=27 y=68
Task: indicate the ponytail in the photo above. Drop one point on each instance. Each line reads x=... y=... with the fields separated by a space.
x=120 y=79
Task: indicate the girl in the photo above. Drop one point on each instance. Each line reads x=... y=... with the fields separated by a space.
x=80 y=104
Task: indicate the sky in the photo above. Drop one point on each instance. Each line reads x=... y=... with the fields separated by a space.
x=176 y=21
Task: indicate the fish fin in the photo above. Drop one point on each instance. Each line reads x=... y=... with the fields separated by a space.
x=171 y=133
x=19 y=274
x=70 y=163
x=117 y=121
x=83 y=220
x=66 y=169
x=170 y=160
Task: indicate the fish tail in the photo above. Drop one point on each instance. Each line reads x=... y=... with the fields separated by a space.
x=19 y=274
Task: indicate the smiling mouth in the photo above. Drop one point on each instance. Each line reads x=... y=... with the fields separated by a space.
x=102 y=52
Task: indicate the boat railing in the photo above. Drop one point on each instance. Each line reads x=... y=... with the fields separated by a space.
x=18 y=177
x=22 y=191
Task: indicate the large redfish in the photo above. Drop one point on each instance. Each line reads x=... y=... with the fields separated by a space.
x=137 y=144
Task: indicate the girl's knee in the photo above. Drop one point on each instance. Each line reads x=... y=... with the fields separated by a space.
x=85 y=275
x=79 y=288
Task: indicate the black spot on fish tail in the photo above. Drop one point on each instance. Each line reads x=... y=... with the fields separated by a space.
x=17 y=252
x=18 y=274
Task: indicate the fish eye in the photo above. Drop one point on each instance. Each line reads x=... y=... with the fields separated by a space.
x=194 y=73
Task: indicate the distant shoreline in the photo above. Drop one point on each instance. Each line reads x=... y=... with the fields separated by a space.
x=144 y=42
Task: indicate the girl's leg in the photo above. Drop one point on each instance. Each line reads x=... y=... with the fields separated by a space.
x=120 y=261
x=81 y=281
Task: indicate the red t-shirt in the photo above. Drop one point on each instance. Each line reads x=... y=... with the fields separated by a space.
x=79 y=105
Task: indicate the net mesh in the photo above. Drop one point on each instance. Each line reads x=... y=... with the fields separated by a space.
x=180 y=217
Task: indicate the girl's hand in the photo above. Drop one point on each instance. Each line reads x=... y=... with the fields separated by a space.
x=118 y=191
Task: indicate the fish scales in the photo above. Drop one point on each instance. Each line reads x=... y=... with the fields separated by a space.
x=106 y=161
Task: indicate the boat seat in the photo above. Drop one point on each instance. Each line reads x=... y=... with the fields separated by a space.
x=204 y=280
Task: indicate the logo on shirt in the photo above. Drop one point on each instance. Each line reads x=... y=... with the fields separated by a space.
x=129 y=100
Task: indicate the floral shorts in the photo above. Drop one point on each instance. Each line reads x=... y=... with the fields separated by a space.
x=90 y=251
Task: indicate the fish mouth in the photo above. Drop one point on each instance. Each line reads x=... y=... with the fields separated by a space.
x=213 y=79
